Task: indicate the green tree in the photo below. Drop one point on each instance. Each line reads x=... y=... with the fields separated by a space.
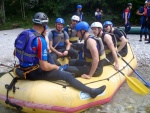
x=112 y=10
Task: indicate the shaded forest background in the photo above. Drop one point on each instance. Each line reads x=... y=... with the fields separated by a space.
x=20 y=12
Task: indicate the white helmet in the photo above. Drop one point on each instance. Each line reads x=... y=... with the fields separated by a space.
x=75 y=17
x=96 y=24
x=146 y=2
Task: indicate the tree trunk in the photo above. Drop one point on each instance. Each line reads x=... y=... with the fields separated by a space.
x=22 y=9
x=2 y=12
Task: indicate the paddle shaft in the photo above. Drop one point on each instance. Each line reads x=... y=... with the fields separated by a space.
x=141 y=88
x=148 y=84
x=58 y=42
x=114 y=66
x=5 y=65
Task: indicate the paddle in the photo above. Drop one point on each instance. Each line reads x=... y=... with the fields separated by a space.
x=146 y=83
x=6 y=65
x=7 y=71
x=134 y=83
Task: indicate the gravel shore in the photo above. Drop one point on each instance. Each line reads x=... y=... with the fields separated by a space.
x=124 y=101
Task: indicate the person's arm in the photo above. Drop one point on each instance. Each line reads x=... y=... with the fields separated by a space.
x=96 y=14
x=92 y=46
x=108 y=40
x=46 y=38
x=44 y=65
x=41 y=46
x=140 y=12
x=122 y=44
x=122 y=39
x=68 y=44
x=101 y=11
x=67 y=41
x=126 y=15
x=51 y=47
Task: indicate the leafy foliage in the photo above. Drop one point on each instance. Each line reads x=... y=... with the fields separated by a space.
x=112 y=9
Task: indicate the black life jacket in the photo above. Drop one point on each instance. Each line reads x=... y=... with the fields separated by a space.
x=100 y=47
x=107 y=50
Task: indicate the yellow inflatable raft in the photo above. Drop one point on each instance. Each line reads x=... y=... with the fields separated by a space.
x=51 y=97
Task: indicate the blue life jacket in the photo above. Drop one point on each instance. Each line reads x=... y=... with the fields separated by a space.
x=148 y=12
x=23 y=42
x=128 y=15
x=58 y=39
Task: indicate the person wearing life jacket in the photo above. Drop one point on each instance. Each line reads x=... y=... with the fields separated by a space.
x=109 y=44
x=94 y=54
x=148 y=21
x=126 y=16
x=79 y=13
x=74 y=40
x=34 y=61
x=98 y=15
x=59 y=42
x=142 y=11
x=70 y=29
x=121 y=39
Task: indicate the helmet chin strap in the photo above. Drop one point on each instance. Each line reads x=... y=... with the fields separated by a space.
x=43 y=31
x=82 y=35
x=99 y=32
x=110 y=30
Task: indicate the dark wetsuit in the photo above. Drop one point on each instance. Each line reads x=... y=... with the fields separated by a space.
x=39 y=45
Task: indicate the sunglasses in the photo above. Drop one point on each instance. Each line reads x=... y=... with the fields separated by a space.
x=105 y=26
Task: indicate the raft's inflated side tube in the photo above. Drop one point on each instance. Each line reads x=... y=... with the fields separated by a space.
x=134 y=30
x=59 y=97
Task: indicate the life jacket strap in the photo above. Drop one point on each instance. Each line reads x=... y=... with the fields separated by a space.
x=29 y=69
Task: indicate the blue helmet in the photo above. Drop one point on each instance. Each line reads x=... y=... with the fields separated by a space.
x=79 y=6
x=107 y=23
x=82 y=26
x=60 y=20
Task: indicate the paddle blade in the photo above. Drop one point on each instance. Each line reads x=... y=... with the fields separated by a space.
x=137 y=86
